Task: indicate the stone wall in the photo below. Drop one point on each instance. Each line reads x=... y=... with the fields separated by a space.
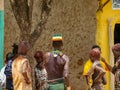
x=74 y=19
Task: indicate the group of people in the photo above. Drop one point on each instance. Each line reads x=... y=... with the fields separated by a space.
x=51 y=70
x=95 y=68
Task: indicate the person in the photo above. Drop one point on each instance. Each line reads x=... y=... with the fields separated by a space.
x=96 y=71
x=116 y=67
x=2 y=72
x=57 y=65
x=89 y=63
x=21 y=70
x=3 y=77
x=8 y=70
x=40 y=72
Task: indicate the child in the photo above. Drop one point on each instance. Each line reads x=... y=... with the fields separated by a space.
x=40 y=72
x=96 y=71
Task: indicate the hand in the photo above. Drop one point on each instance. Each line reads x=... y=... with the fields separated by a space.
x=27 y=81
x=117 y=62
x=69 y=88
x=89 y=88
x=96 y=81
x=41 y=65
x=103 y=60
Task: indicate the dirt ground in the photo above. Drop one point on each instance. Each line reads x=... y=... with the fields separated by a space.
x=74 y=19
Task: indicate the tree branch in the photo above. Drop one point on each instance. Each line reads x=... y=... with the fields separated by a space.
x=101 y=6
x=22 y=10
x=45 y=11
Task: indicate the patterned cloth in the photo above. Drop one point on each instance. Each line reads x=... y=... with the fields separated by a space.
x=8 y=73
x=41 y=79
x=117 y=79
x=117 y=76
x=3 y=77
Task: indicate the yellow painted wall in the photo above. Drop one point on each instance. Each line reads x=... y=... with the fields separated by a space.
x=102 y=33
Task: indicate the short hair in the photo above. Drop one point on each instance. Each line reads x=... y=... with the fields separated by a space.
x=23 y=48
x=38 y=54
x=57 y=43
x=96 y=46
x=15 y=48
x=116 y=47
x=9 y=56
x=94 y=53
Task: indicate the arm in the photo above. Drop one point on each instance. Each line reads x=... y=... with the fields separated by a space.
x=46 y=57
x=115 y=67
x=88 y=82
x=25 y=67
x=109 y=67
x=66 y=70
x=101 y=74
x=104 y=81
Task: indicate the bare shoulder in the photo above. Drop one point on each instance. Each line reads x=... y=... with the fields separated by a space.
x=65 y=57
x=47 y=54
x=46 y=57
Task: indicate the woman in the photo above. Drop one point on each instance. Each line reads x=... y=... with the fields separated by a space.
x=116 y=67
x=21 y=70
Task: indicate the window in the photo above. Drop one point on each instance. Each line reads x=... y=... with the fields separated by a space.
x=115 y=4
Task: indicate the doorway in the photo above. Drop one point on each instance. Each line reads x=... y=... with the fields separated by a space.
x=116 y=38
x=117 y=33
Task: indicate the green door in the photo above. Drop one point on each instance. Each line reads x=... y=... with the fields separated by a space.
x=1 y=38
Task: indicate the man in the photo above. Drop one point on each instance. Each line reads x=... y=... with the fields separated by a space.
x=116 y=67
x=40 y=72
x=21 y=70
x=57 y=64
x=8 y=69
x=3 y=81
x=89 y=63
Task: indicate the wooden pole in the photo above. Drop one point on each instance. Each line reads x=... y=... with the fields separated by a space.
x=112 y=85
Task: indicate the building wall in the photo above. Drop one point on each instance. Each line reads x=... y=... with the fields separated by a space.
x=106 y=20
x=74 y=19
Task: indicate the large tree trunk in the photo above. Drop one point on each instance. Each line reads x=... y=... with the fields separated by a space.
x=22 y=10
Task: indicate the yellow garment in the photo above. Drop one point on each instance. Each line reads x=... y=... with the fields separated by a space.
x=88 y=65
x=18 y=67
